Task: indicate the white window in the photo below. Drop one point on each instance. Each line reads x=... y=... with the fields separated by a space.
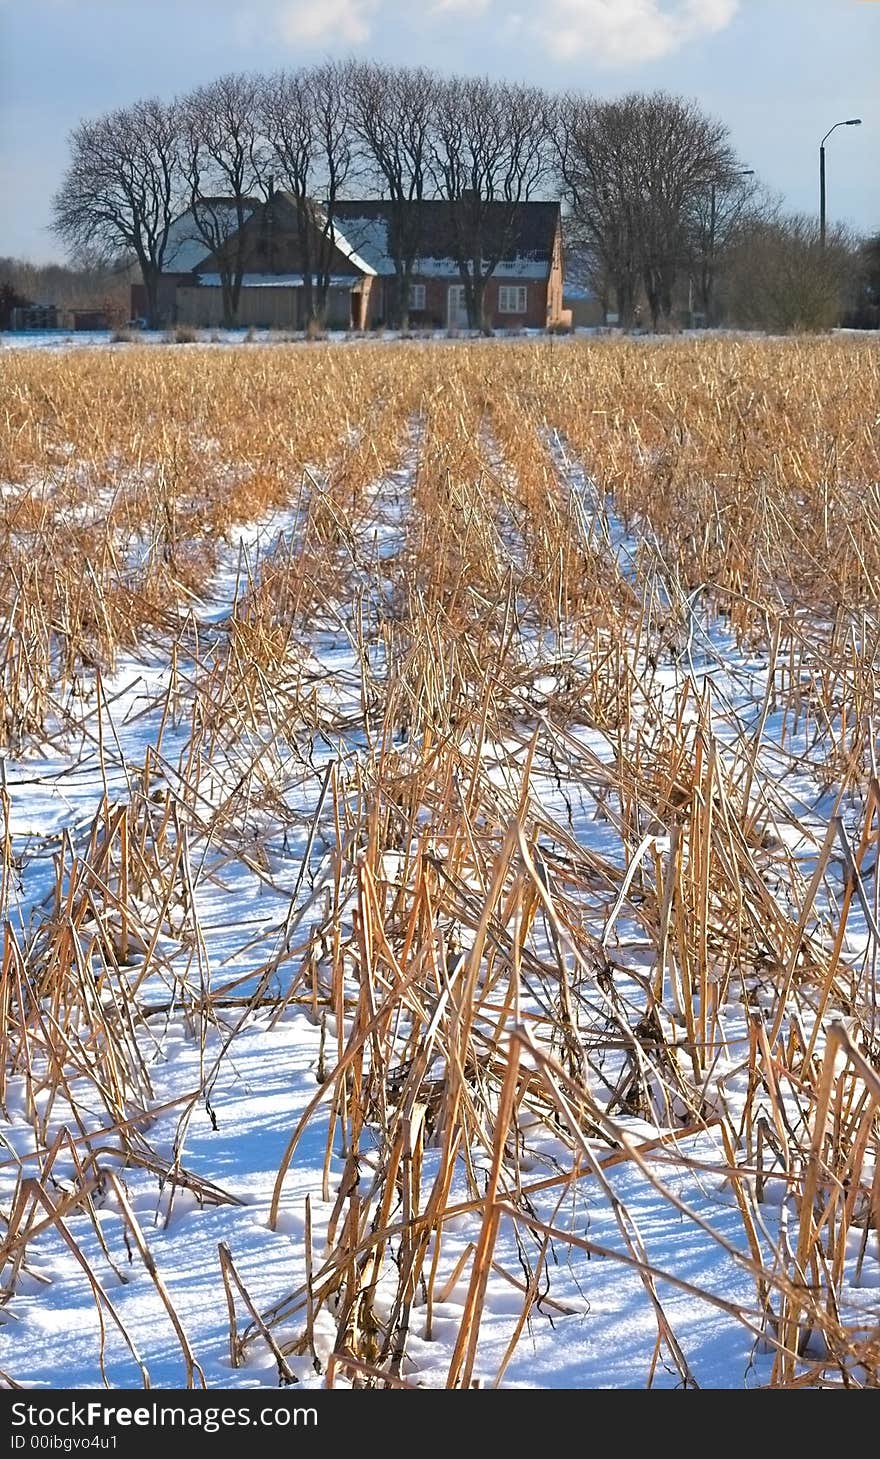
x=512 y=299
x=416 y=296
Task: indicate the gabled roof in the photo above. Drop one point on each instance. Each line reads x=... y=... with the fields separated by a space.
x=279 y=281
x=578 y=291
x=345 y=248
x=186 y=248
x=361 y=232
x=527 y=245
x=288 y=200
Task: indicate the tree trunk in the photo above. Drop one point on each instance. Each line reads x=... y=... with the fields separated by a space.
x=401 y=296
x=652 y=291
x=706 y=291
x=319 y=316
x=308 y=297
x=236 y=294
x=151 y=279
x=666 y=300
x=623 y=291
x=398 y=297
x=476 y=298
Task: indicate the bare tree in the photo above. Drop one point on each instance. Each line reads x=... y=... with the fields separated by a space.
x=715 y=219
x=591 y=141
x=489 y=155
x=306 y=119
x=392 y=112
x=224 y=163
x=780 y=276
x=677 y=155
x=635 y=170
x=85 y=284
x=122 y=190
x=864 y=312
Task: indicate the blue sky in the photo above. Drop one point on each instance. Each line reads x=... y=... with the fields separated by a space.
x=778 y=72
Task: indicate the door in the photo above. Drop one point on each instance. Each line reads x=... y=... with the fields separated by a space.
x=457 y=315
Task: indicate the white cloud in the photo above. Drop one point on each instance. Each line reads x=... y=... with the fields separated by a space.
x=308 y=22
x=470 y=7
x=608 y=32
x=626 y=32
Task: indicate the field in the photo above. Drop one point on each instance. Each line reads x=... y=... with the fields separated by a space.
x=439 y=825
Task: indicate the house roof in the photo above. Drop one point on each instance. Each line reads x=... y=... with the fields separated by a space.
x=354 y=258
x=527 y=253
x=361 y=232
x=279 y=281
x=339 y=239
x=186 y=248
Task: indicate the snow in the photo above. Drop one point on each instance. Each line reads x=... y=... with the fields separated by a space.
x=506 y=268
x=578 y=291
x=346 y=248
x=186 y=248
x=225 y=1093
x=212 y=338
x=278 y=281
x=370 y=237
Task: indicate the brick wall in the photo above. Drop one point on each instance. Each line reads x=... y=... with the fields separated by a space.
x=435 y=314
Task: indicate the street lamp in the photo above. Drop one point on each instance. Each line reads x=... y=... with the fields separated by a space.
x=853 y=122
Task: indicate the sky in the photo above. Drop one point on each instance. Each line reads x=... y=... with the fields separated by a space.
x=779 y=73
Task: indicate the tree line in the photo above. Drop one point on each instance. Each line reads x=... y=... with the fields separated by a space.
x=103 y=287
x=654 y=192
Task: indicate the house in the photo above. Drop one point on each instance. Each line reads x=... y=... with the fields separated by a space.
x=272 y=292
x=524 y=290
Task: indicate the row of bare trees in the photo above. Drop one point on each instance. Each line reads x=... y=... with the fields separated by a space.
x=654 y=190
x=320 y=133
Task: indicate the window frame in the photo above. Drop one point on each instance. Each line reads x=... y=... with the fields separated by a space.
x=418 y=298
x=521 y=293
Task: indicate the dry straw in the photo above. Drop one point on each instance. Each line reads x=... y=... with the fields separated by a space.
x=560 y=675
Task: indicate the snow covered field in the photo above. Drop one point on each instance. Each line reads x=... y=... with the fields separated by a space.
x=105 y=339
x=440 y=818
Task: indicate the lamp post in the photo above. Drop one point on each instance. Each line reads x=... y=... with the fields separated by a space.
x=852 y=122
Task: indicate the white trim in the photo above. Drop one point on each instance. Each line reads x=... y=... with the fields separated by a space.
x=417 y=297
x=456 y=307
x=513 y=299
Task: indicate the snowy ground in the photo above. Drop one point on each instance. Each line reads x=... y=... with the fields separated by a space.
x=222 y=1093
x=60 y=339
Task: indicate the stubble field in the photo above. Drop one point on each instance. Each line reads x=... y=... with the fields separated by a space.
x=439 y=821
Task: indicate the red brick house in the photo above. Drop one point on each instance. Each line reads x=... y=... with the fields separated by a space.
x=524 y=289
x=523 y=247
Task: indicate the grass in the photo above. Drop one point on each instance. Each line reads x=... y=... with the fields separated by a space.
x=562 y=677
